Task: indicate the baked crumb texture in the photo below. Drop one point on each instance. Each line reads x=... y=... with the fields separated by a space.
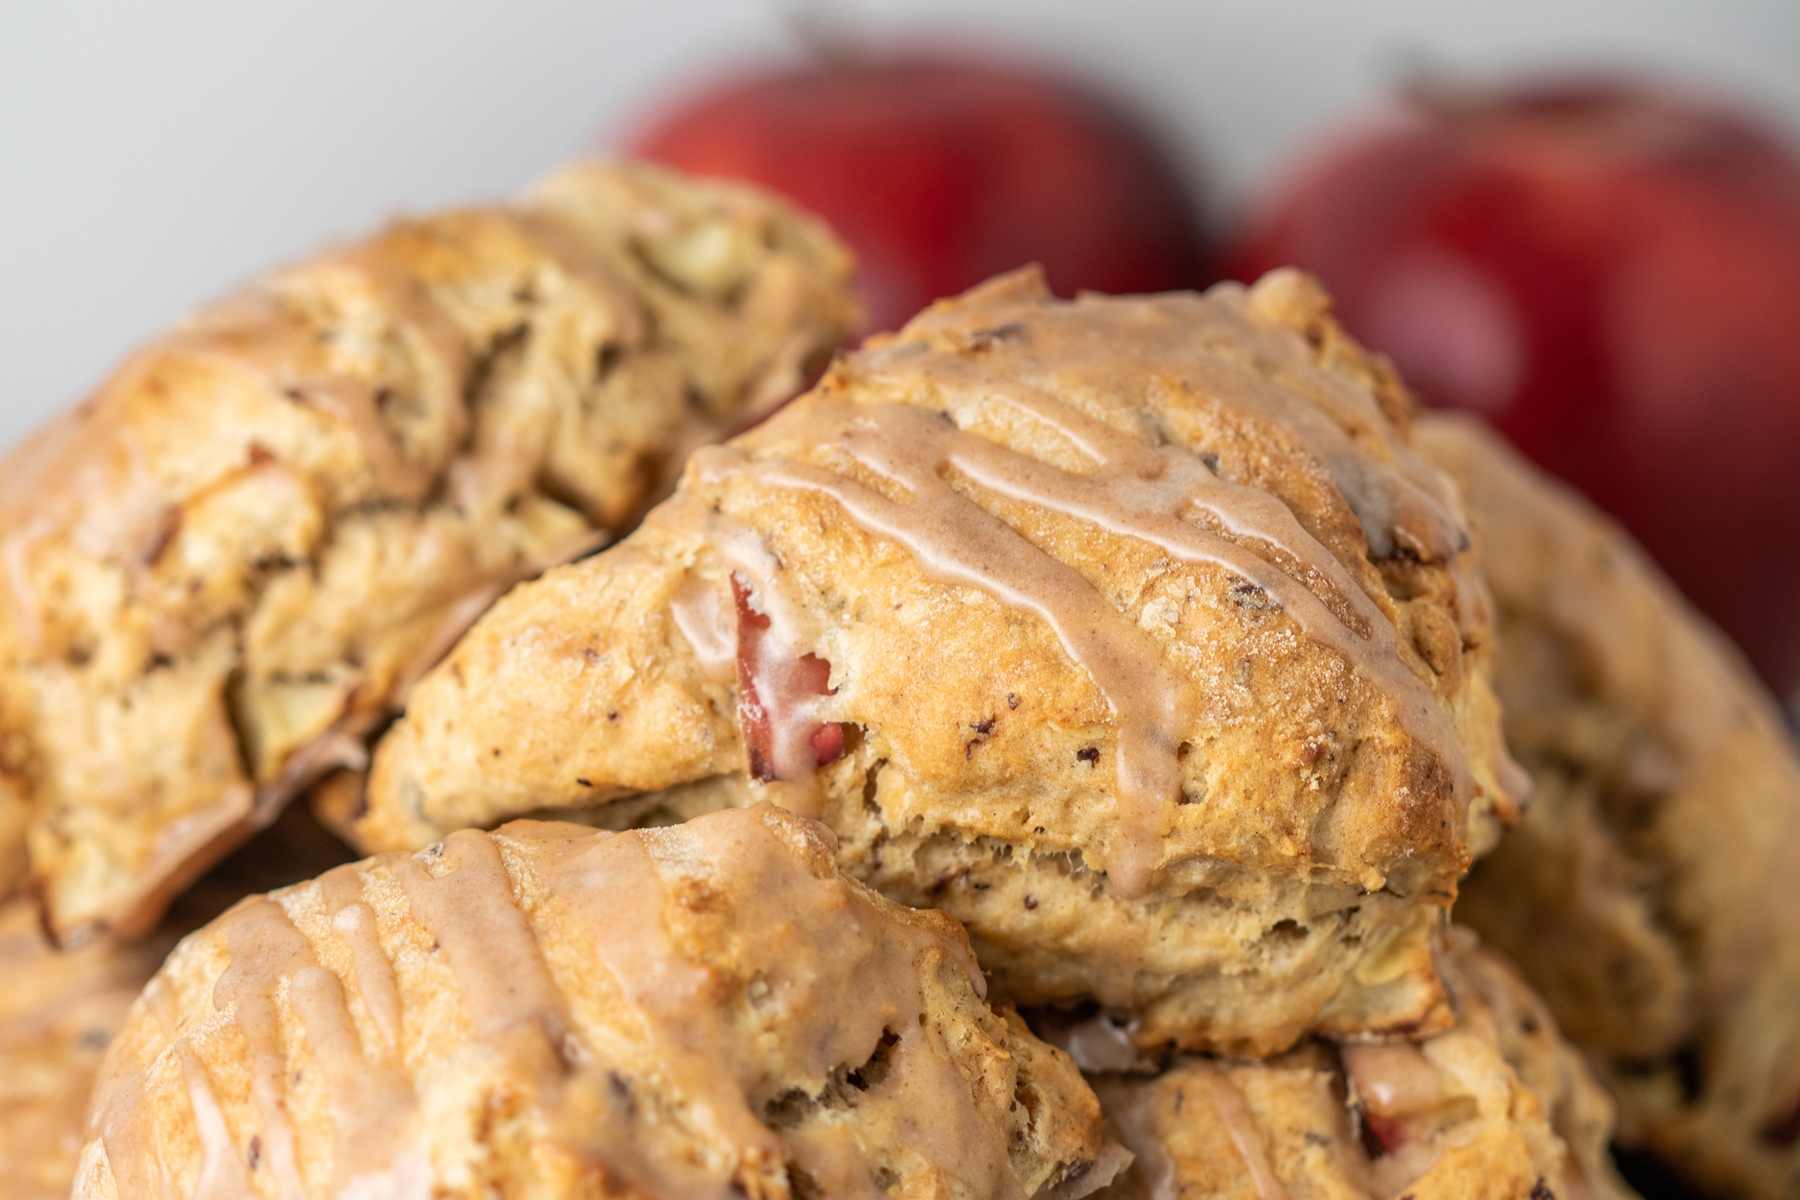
x=554 y=1011
x=1498 y=1107
x=1130 y=631
x=1651 y=892
x=224 y=570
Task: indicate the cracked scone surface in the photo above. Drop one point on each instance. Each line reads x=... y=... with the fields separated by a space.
x=58 y=1011
x=1129 y=631
x=1497 y=1108
x=224 y=570
x=1649 y=891
x=555 y=1011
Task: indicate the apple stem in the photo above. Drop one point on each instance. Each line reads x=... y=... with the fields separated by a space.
x=831 y=37
x=1444 y=91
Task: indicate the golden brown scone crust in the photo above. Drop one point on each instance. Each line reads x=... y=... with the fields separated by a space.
x=1650 y=891
x=1224 y=771
x=15 y=820
x=224 y=569
x=552 y=1011
x=1497 y=1108
x=58 y=1011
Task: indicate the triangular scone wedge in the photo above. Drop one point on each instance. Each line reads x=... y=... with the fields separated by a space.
x=711 y=1010
x=1652 y=892
x=1129 y=631
x=1497 y=1108
x=225 y=569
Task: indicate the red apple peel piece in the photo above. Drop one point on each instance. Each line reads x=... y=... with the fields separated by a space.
x=776 y=693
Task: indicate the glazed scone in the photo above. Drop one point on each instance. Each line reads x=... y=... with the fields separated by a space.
x=1129 y=631
x=58 y=1011
x=225 y=569
x=549 y=1011
x=1650 y=892
x=1497 y=1108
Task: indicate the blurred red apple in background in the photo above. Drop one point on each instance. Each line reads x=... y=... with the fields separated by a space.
x=941 y=170
x=1610 y=272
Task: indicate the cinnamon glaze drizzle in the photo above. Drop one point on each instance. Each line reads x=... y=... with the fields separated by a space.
x=723 y=1023
x=1127 y=1104
x=1233 y=1111
x=369 y=1096
x=1146 y=492
x=514 y=1007
x=1208 y=347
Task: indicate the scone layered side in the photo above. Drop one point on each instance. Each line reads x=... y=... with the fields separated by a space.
x=1649 y=890
x=225 y=569
x=1129 y=631
x=1499 y=1107
x=554 y=1011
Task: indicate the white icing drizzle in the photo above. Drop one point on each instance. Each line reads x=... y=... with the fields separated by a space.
x=370 y=1099
x=1144 y=492
x=1136 y=489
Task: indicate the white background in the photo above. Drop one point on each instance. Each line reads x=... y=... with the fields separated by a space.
x=152 y=154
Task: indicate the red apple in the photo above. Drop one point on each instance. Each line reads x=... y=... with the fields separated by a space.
x=1610 y=271
x=941 y=170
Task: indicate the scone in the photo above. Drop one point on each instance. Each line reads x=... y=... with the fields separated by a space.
x=1497 y=1108
x=59 y=1010
x=1651 y=893
x=225 y=569
x=553 y=1011
x=1129 y=631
